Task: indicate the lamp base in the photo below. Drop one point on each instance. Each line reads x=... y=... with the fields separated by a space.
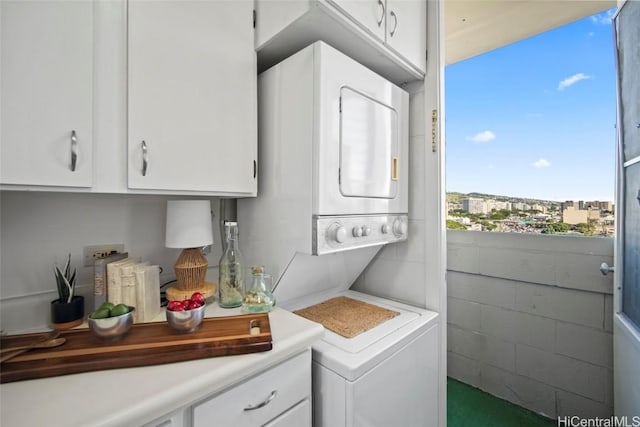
x=190 y=268
x=208 y=289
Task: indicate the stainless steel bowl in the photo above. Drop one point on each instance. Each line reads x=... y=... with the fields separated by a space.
x=112 y=328
x=186 y=321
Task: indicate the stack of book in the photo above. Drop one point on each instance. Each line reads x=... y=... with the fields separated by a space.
x=120 y=279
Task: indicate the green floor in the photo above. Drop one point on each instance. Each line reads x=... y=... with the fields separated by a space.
x=471 y=407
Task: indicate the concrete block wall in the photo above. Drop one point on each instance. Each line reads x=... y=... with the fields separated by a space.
x=530 y=320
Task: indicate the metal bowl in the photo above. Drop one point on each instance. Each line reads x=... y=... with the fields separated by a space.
x=186 y=321
x=112 y=328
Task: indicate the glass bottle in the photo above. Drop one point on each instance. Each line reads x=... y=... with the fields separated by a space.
x=258 y=297
x=230 y=272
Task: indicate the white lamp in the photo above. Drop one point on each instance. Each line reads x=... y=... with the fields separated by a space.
x=189 y=227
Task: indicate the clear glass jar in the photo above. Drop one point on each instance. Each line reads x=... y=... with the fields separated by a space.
x=230 y=273
x=258 y=297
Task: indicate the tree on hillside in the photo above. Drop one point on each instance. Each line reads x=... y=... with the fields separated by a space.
x=585 y=229
x=558 y=227
x=455 y=225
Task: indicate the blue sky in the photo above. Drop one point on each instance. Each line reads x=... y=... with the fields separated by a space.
x=536 y=118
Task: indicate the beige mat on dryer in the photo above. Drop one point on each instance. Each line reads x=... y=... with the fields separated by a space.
x=346 y=316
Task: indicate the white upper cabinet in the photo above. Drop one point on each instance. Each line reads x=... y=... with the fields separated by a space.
x=387 y=36
x=369 y=13
x=406 y=30
x=192 y=96
x=46 y=97
x=400 y=24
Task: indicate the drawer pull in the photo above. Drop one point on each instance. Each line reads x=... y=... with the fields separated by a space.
x=263 y=403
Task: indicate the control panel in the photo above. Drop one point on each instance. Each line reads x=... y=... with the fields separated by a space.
x=339 y=233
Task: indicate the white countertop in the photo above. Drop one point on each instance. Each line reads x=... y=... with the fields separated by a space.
x=134 y=396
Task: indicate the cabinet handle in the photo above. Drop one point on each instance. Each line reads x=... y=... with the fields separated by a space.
x=255 y=169
x=74 y=150
x=144 y=158
x=395 y=23
x=263 y=403
x=382 y=14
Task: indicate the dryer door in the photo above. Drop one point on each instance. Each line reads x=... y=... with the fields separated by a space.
x=368 y=146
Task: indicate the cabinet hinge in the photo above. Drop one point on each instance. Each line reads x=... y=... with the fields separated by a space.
x=254 y=18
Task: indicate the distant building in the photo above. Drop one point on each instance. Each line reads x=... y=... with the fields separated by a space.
x=520 y=206
x=503 y=206
x=605 y=206
x=473 y=205
x=593 y=215
x=571 y=215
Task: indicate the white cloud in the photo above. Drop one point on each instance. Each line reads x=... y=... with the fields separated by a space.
x=603 y=18
x=572 y=80
x=484 y=136
x=541 y=163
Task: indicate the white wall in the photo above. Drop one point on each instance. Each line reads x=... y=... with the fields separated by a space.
x=40 y=229
x=530 y=320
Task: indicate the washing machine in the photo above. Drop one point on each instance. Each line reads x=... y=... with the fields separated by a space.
x=385 y=376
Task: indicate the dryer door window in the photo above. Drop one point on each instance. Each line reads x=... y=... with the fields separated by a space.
x=368 y=146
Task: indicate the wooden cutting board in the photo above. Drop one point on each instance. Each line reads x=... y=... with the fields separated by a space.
x=145 y=344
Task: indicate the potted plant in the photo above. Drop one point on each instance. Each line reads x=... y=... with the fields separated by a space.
x=68 y=310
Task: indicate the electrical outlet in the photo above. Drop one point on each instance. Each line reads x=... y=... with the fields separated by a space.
x=92 y=253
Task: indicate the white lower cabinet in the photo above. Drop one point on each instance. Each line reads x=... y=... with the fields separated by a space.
x=278 y=397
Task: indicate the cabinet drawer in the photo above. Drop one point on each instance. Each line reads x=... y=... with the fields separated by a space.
x=269 y=393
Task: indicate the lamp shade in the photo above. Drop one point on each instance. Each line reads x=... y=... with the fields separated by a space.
x=189 y=224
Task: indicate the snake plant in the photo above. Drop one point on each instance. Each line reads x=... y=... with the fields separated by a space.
x=66 y=282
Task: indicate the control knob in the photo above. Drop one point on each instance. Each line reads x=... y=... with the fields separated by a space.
x=337 y=233
x=399 y=228
x=357 y=231
x=385 y=228
x=366 y=230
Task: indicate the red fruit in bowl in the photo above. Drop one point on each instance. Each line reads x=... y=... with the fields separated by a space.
x=198 y=297
x=173 y=305
x=179 y=308
x=193 y=305
x=185 y=303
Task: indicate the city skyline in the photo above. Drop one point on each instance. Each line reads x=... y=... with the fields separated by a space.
x=536 y=119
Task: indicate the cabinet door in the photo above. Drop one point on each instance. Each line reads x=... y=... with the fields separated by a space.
x=369 y=14
x=46 y=89
x=406 y=30
x=192 y=96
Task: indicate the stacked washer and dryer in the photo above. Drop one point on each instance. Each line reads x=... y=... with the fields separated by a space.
x=332 y=190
